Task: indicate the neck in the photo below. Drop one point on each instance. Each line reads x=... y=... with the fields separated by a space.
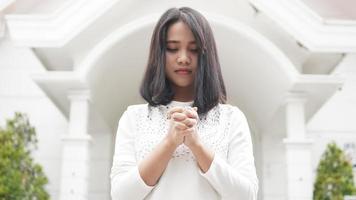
x=183 y=94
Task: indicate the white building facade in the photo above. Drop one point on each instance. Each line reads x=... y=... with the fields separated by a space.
x=74 y=67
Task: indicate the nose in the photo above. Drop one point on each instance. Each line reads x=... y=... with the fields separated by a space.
x=183 y=58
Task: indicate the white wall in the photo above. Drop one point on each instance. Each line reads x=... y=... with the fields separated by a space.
x=336 y=120
x=101 y=153
x=274 y=167
x=19 y=93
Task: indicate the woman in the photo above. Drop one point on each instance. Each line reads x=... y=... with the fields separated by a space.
x=186 y=143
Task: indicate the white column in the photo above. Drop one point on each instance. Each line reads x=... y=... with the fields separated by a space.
x=298 y=150
x=76 y=144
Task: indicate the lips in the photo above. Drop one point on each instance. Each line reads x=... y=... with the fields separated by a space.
x=183 y=71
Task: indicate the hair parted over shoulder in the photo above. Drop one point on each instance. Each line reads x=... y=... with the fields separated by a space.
x=208 y=86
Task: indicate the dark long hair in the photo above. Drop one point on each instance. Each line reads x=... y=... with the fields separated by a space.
x=208 y=85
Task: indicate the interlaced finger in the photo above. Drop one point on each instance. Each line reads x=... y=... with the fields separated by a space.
x=189 y=122
x=179 y=125
x=178 y=116
x=191 y=113
x=174 y=110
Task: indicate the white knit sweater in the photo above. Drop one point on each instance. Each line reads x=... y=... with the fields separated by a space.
x=232 y=174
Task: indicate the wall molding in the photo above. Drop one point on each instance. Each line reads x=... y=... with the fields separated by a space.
x=307 y=27
x=56 y=29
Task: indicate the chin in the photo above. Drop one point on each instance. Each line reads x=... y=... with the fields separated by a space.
x=183 y=85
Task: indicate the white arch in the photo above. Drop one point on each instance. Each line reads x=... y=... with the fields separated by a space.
x=149 y=20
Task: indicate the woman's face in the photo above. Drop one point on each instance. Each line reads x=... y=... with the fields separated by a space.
x=181 y=56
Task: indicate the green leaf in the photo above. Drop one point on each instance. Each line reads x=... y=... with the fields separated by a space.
x=334 y=177
x=20 y=177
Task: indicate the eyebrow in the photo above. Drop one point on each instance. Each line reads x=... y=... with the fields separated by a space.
x=175 y=42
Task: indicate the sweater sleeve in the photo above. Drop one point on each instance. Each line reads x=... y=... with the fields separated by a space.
x=126 y=182
x=235 y=178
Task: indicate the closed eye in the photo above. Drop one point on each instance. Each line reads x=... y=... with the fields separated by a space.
x=172 y=50
x=195 y=50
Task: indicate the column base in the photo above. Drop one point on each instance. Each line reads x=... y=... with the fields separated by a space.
x=299 y=169
x=75 y=167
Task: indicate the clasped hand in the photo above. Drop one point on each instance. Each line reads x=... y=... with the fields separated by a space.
x=182 y=128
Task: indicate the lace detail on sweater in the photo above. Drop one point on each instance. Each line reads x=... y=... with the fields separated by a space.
x=152 y=126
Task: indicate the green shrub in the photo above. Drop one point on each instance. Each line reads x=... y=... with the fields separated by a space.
x=334 y=175
x=20 y=177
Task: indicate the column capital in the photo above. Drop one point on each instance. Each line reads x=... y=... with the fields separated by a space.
x=77 y=137
x=298 y=142
x=296 y=96
x=79 y=94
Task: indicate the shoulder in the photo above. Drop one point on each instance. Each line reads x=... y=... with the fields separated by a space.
x=230 y=109
x=132 y=111
x=137 y=110
x=137 y=107
x=232 y=112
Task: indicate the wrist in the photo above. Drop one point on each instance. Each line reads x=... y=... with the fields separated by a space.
x=203 y=155
x=196 y=146
x=169 y=144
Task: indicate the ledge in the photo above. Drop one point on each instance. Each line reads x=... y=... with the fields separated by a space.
x=315 y=33
x=56 y=29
